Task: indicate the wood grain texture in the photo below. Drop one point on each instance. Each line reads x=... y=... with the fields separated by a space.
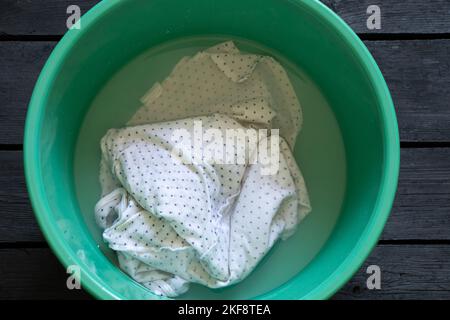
x=410 y=17
x=422 y=206
x=17 y=222
x=37 y=17
x=48 y=17
x=407 y=271
x=418 y=75
x=34 y=274
x=417 y=72
x=421 y=210
x=21 y=63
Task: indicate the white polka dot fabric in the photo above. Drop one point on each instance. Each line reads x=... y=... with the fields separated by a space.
x=174 y=219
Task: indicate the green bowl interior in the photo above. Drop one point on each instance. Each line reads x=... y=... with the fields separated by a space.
x=348 y=149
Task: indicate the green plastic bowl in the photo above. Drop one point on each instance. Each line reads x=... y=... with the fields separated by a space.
x=348 y=149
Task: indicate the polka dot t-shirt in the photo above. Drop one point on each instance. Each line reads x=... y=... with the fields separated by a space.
x=175 y=217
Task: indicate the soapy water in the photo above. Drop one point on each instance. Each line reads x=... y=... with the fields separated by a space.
x=319 y=152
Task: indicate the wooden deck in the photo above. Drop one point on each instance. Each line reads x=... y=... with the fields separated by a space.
x=413 y=51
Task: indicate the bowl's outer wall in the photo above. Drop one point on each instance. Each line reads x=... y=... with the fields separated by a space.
x=306 y=32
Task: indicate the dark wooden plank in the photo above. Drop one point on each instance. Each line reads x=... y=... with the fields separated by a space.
x=421 y=210
x=21 y=63
x=407 y=272
x=411 y=17
x=38 y=17
x=418 y=75
x=48 y=17
x=422 y=206
x=34 y=274
x=17 y=222
x=417 y=72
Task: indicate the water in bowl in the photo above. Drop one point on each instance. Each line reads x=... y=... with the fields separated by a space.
x=319 y=152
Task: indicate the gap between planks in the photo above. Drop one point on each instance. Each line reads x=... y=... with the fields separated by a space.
x=363 y=36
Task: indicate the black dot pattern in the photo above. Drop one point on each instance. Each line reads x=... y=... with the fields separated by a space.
x=175 y=218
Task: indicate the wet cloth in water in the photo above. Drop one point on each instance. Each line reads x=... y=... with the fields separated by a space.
x=175 y=217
